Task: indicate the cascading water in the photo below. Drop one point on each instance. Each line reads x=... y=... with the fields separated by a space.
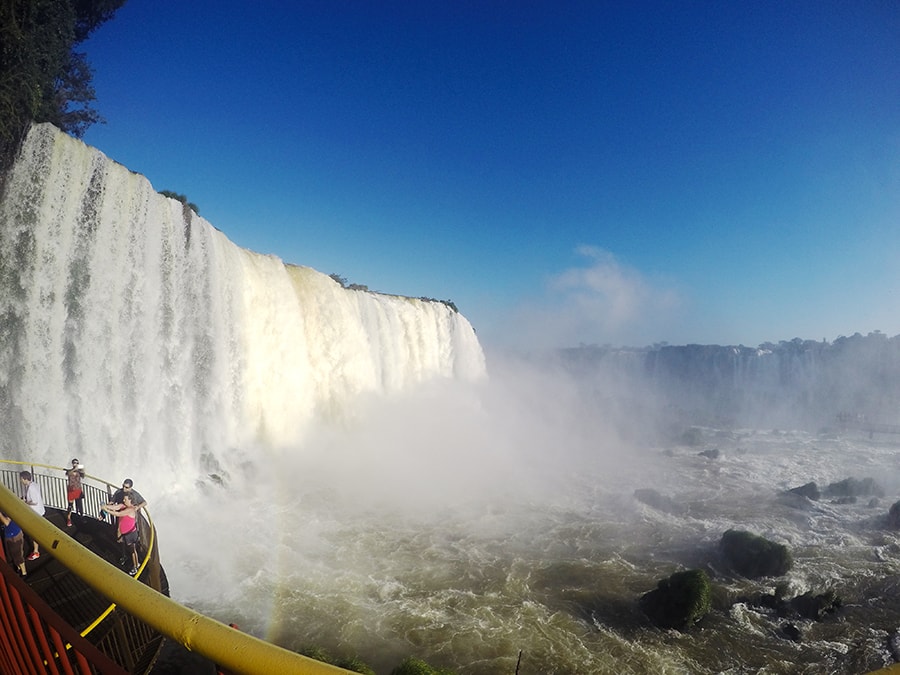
x=439 y=514
x=132 y=328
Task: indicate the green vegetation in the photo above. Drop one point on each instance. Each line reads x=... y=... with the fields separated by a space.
x=353 y=664
x=413 y=666
x=679 y=601
x=449 y=303
x=181 y=198
x=408 y=666
x=342 y=281
x=42 y=77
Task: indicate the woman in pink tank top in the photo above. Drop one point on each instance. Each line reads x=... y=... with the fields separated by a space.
x=127 y=528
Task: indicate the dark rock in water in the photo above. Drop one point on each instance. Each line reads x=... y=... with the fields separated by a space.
x=810 y=491
x=874 y=503
x=753 y=556
x=658 y=501
x=806 y=606
x=790 y=632
x=679 y=601
x=711 y=454
x=853 y=487
x=894 y=516
x=894 y=646
x=815 y=607
x=844 y=500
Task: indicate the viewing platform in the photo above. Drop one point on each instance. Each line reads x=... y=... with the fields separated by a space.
x=57 y=602
x=77 y=609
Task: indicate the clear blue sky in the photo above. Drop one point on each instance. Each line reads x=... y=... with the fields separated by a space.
x=565 y=172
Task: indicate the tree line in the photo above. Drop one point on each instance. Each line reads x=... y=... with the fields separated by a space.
x=43 y=78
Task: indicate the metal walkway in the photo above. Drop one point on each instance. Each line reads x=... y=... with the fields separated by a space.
x=77 y=603
x=78 y=611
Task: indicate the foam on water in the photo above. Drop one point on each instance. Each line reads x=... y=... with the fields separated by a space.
x=558 y=576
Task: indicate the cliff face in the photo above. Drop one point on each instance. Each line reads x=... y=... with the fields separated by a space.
x=798 y=383
x=130 y=327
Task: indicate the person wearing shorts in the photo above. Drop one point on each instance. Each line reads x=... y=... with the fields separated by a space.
x=15 y=543
x=127 y=530
x=74 y=490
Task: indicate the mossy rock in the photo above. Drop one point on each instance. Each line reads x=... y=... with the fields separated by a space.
x=679 y=601
x=315 y=652
x=753 y=556
x=355 y=665
x=411 y=666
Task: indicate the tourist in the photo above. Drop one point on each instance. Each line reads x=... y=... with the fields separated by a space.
x=127 y=533
x=128 y=489
x=33 y=498
x=74 y=490
x=15 y=543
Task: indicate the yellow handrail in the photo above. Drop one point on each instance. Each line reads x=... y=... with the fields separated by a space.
x=229 y=648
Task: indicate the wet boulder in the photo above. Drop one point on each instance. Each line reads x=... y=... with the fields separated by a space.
x=893 y=519
x=807 y=606
x=658 y=501
x=809 y=490
x=679 y=601
x=854 y=487
x=815 y=607
x=753 y=556
x=789 y=631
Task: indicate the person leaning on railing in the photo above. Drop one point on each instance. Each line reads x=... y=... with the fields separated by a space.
x=128 y=489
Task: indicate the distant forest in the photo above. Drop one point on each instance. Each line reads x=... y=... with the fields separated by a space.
x=43 y=78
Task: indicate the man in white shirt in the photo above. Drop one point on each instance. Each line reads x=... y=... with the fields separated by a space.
x=33 y=498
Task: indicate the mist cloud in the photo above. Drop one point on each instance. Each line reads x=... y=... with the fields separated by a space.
x=603 y=301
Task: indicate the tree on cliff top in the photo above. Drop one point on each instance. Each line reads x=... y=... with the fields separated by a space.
x=42 y=77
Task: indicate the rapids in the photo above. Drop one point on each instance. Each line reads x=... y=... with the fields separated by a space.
x=467 y=575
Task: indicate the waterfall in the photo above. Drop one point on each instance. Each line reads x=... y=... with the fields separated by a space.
x=131 y=329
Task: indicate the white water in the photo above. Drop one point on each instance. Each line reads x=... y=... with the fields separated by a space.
x=380 y=496
x=133 y=329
